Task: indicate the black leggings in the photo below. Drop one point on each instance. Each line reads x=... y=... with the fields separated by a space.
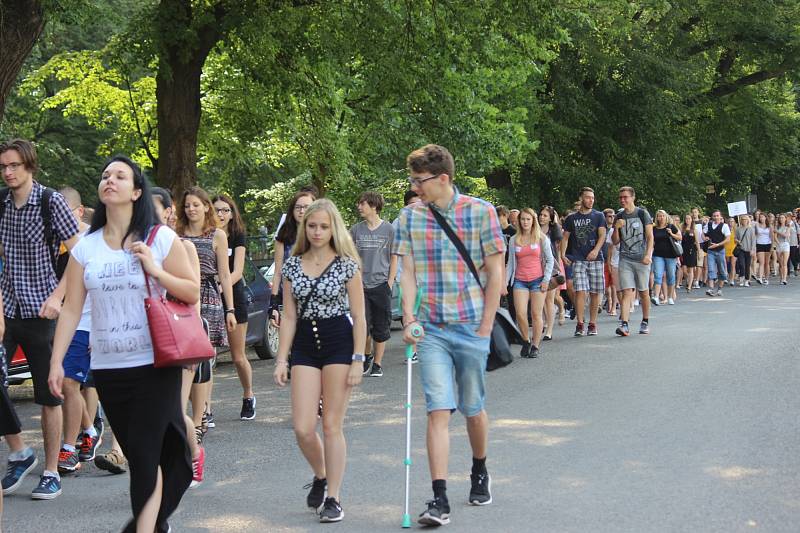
x=743 y=265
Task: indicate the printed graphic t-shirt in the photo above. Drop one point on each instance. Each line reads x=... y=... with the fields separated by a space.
x=632 y=241
x=375 y=249
x=114 y=280
x=582 y=230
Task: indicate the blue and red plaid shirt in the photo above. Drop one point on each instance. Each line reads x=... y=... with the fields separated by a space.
x=28 y=278
x=449 y=292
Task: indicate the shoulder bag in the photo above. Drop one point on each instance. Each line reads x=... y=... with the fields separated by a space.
x=176 y=329
x=500 y=353
x=677 y=247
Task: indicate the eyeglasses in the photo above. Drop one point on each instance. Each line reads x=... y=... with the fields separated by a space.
x=11 y=166
x=224 y=210
x=299 y=208
x=419 y=181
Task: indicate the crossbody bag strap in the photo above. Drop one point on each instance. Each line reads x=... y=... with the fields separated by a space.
x=307 y=299
x=457 y=243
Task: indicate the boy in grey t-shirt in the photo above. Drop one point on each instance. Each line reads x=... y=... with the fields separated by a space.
x=633 y=231
x=373 y=238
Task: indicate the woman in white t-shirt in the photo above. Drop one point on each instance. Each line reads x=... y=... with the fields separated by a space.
x=782 y=237
x=763 y=248
x=142 y=402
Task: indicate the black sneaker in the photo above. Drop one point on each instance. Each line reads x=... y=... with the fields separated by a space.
x=534 y=352
x=525 y=350
x=99 y=426
x=414 y=358
x=367 y=365
x=437 y=513
x=331 y=512
x=88 y=448
x=480 y=493
x=316 y=496
x=248 y=408
x=376 y=371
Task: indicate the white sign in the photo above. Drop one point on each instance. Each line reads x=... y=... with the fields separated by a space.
x=737 y=208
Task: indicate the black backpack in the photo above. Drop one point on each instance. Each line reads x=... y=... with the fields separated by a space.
x=47 y=194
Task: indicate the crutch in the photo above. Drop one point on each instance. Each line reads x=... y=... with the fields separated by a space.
x=416 y=332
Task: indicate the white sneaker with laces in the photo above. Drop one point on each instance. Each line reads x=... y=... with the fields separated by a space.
x=671 y=301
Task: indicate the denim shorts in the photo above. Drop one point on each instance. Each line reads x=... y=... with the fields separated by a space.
x=78 y=358
x=452 y=360
x=530 y=286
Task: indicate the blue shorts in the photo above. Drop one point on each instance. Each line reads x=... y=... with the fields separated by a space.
x=451 y=351
x=530 y=286
x=78 y=358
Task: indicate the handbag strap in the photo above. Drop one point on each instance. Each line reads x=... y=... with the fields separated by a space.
x=315 y=281
x=150 y=240
x=457 y=242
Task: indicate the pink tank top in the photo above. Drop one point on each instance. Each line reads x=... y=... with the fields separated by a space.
x=529 y=262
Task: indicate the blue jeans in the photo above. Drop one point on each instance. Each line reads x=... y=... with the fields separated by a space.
x=661 y=263
x=448 y=351
x=716 y=265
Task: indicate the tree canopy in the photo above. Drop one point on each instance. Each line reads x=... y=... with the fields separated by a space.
x=534 y=99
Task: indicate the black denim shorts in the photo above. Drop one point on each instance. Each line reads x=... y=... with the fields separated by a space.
x=323 y=341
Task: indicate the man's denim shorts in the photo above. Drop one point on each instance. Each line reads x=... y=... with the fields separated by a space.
x=453 y=359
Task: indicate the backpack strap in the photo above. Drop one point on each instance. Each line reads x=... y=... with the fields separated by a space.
x=47 y=223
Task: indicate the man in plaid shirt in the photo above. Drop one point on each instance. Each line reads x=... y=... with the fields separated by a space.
x=32 y=300
x=455 y=312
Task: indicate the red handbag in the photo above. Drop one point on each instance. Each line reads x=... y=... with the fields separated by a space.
x=175 y=328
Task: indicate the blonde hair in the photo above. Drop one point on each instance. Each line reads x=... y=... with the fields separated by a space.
x=667 y=218
x=536 y=231
x=340 y=238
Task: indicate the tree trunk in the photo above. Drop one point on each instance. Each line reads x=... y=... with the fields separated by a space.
x=184 y=47
x=178 y=97
x=21 y=24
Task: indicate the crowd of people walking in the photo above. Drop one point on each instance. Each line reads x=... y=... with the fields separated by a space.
x=74 y=292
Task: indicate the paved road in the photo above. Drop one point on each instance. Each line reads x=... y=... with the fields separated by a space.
x=693 y=428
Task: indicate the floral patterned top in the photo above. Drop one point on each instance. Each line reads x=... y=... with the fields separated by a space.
x=330 y=297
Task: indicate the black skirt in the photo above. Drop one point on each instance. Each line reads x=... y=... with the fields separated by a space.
x=143 y=405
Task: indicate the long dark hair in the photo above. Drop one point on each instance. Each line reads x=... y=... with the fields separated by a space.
x=236 y=224
x=144 y=214
x=288 y=232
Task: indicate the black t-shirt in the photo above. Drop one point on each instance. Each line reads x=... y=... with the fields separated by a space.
x=235 y=240
x=662 y=247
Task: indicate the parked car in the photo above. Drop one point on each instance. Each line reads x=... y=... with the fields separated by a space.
x=258 y=291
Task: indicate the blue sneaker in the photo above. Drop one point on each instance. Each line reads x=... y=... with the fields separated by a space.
x=49 y=488
x=17 y=470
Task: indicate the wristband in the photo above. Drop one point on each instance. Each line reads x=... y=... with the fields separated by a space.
x=359 y=357
x=230 y=311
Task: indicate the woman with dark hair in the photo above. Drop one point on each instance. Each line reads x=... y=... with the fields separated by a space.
x=549 y=224
x=691 y=250
x=231 y=223
x=142 y=402
x=197 y=223
x=284 y=243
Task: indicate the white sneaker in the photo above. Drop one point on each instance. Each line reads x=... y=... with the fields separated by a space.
x=671 y=301
x=746 y=283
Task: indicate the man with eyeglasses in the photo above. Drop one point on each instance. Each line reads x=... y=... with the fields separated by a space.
x=32 y=299
x=456 y=313
x=633 y=231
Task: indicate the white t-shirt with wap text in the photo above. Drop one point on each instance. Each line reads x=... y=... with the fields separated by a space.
x=114 y=279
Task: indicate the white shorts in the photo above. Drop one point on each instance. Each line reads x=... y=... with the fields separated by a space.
x=783 y=247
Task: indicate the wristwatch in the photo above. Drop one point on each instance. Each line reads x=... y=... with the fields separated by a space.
x=359 y=357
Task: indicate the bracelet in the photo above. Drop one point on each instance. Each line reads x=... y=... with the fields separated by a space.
x=281 y=362
x=230 y=311
x=359 y=357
